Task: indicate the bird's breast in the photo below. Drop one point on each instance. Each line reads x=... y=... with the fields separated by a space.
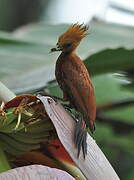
x=74 y=80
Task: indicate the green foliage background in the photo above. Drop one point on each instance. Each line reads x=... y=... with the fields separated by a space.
x=108 y=52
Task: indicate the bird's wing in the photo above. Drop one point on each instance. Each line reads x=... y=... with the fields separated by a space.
x=80 y=90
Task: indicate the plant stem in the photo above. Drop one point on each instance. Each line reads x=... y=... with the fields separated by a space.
x=4 y=165
x=5 y=94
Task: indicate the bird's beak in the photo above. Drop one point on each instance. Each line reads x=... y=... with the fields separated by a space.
x=56 y=49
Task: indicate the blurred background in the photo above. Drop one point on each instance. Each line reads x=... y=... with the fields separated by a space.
x=28 y=29
x=14 y=14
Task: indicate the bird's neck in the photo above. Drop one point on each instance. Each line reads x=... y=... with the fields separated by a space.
x=64 y=58
x=68 y=54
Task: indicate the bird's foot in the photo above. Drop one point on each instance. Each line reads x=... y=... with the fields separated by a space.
x=68 y=107
x=57 y=98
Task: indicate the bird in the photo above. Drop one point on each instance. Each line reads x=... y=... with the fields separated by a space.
x=75 y=82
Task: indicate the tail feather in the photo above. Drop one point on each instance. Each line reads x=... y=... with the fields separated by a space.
x=80 y=143
x=77 y=131
x=84 y=144
x=80 y=137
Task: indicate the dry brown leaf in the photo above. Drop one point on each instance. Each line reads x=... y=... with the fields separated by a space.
x=95 y=166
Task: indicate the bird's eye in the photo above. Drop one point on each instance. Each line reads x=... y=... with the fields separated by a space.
x=68 y=44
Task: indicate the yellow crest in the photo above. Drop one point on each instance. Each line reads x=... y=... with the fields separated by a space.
x=76 y=31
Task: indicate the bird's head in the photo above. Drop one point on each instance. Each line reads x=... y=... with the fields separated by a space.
x=69 y=40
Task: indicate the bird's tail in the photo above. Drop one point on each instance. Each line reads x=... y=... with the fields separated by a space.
x=80 y=136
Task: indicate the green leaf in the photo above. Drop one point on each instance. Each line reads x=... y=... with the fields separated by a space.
x=108 y=89
x=106 y=137
x=4 y=164
x=27 y=136
x=25 y=60
x=110 y=60
x=123 y=114
x=26 y=65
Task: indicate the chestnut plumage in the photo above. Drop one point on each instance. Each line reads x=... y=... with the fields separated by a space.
x=74 y=80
